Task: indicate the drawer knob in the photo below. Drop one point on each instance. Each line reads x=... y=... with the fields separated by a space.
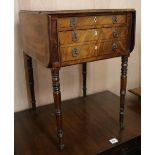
x=73 y=22
x=95 y=33
x=74 y=52
x=95 y=19
x=74 y=36
x=115 y=33
x=96 y=47
x=114 y=19
x=114 y=46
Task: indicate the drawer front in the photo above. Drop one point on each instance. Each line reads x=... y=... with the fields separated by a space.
x=72 y=22
x=111 y=19
x=71 y=37
x=78 y=36
x=114 y=33
x=115 y=46
x=93 y=50
x=78 y=52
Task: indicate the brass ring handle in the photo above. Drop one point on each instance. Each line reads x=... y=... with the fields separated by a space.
x=114 y=46
x=74 y=36
x=115 y=33
x=114 y=19
x=73 y=22
x=74 y=52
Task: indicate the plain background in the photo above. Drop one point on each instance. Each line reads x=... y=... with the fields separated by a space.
x=7 y=77
x=102 y=75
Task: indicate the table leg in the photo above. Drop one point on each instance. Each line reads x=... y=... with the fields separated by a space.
x=84 y=73
x=31 y=81
x=57 y=103
x=123 y=89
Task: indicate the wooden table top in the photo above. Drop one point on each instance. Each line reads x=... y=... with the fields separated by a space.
x=81 y=11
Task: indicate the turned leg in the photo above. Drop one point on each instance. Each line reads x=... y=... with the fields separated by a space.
x=31 y=81
x=57 y=103
x=84 y=73
x=123 y=89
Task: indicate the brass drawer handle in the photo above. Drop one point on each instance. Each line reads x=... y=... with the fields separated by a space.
x=114 y=46
x=114 y=19
x=74 y=36
x=115 y=33
x=73 y=22
x=74 y=52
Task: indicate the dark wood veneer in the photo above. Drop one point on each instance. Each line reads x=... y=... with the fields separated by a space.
x=40 y=31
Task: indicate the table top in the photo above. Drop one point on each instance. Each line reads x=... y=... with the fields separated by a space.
x=82 y=11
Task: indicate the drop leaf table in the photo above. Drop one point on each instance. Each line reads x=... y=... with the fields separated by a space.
x=61 y=38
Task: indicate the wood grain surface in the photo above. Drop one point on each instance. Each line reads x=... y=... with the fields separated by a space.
x=65 y=37
x=91 y=20
x=46 y=48
x=35 y=36
x=92 y=51
x=89 y=125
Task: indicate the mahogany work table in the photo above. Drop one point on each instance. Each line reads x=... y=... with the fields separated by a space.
x=60 y=38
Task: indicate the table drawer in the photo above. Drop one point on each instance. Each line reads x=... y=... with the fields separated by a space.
x=115 y=46
x=72 y=22
x=78 y=52
x=78 y=36
x=89 y=50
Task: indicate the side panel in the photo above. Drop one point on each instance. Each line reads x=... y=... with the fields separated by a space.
x=54 y=44
x=35 y=36
x=133 y=29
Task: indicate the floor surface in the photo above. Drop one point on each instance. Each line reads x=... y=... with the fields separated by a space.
x=88 y=125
